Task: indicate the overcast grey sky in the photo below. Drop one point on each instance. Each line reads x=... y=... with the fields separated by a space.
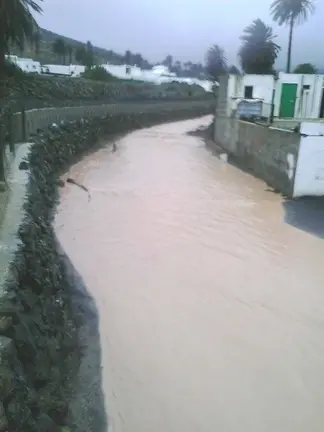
x=182 y=28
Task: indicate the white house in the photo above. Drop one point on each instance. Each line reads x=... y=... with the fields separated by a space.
x=299 y=96
x=63 y=70
x=257 y=90
x=295 y=96
x=25 y=64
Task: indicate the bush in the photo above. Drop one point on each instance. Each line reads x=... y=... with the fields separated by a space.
x=98 y=73
x=11 y=70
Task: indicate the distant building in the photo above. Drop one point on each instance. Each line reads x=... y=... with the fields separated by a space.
x=25 y=64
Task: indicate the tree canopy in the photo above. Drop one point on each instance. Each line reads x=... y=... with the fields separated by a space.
x=216 y=62
x=305 y=68
x=258 y=51
x=17 y=25
x=291 y=12
x=60 y=49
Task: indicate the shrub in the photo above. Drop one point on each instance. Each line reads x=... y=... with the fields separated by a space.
x=98 y=73
x=11 y=70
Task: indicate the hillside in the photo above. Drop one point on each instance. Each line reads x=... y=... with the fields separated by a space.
x=45 y=53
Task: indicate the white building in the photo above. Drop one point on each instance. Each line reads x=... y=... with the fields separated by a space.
x=255 y=90
x=25 y=64
x=63 y=70
x=299 y=96
x=295 y=96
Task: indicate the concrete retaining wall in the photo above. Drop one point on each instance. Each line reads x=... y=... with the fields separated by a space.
x=268 y=153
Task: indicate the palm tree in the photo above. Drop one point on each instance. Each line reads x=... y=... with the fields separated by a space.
x=216 y=62
x=291 y=12
x=17 y=25
x=258 y=51
x=59 y=49
x=69 y=50
x=233 y=70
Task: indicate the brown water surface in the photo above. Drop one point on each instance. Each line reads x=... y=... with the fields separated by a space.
x=210 y=289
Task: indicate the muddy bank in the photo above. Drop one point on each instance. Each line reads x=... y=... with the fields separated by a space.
x=44 y=331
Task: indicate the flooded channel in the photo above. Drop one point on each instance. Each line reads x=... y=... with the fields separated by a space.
x=210 y=288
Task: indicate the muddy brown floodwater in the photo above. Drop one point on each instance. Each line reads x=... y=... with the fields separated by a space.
x=210 y=289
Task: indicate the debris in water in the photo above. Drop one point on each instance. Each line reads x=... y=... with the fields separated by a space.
x=223 y=157
x=70 y=180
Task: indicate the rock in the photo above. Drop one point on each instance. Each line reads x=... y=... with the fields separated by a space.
x=60 y=183
x=5 y=324
x=23 y=166
x=46 y=424
x=3 y=186
x=7 y=351
x=3 y=419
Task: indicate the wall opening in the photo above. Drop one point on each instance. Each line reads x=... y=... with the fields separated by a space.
x=321 y=113
x=248 y=92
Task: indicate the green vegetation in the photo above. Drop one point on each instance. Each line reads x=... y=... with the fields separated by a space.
x=98 y=73
x=291 y=13
x=258 y=51
x=216 y=62
x=305 y=68
x=17 y=26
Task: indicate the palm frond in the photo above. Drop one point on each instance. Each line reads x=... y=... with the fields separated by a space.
x=17 y=23
x=285 y=11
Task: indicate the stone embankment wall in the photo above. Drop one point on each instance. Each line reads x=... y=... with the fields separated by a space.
x=40 y=347
x=40 y=118
x=269 y=153
x=40 y=91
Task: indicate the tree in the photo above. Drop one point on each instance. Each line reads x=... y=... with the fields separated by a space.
x=234 y=70
x=80 y=54
x=89 y=59
x=59 y=49
x=258 y=51
x=17 y=26
x=291 y=13
x=138 y=60
x=168 y=61
x=305 y=68
x=216 y=62
x=69 y=50
x=128 y=57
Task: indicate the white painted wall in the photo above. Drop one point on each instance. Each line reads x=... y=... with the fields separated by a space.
x=309 y=175
x=308 y=103
x=263 y=86
x=28 y=65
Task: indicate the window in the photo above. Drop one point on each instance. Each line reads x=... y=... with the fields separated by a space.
x=306 y=87
x=248 y=92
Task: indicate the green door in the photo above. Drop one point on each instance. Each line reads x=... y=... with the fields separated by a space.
x=288 y=100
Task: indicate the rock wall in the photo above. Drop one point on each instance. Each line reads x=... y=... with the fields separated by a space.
x=40 y=347
x=40 y=91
